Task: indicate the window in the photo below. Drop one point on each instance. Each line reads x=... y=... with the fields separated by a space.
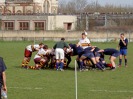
x=9 y=25
x=24 y=26
x=39 y=25
x=68 y=26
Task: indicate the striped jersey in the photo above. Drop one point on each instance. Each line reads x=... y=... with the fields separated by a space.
x=84 y=43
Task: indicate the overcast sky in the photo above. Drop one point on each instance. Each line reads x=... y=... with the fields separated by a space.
x=114 y=2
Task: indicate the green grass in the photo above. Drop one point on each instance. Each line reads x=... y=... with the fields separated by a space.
x=53 y=84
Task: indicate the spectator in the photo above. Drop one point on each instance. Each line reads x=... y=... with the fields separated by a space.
x=2 y=76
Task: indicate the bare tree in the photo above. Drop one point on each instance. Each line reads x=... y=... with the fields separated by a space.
x=80 y=5
x=62 y=6
x=71 y=7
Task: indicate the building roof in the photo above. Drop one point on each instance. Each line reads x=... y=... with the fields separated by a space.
x=18 y=1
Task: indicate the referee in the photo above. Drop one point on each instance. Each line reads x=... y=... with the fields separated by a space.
x=59 y=53
x=123 y=43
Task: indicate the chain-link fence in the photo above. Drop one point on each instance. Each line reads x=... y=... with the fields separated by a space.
x=105 y=22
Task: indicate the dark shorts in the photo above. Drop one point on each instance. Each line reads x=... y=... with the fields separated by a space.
x=101 y=59
x=116 y=54
x=97 y=54
x=123 y=51
x=89 y=55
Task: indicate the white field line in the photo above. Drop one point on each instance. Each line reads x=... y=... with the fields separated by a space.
x=109 y=91
x=26 y=88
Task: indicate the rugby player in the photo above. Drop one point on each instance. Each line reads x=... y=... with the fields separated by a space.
x=99 y=57
x=28 y=53
x=40 y=58
x=88 y=53
x=76 y=50
x=113 y=55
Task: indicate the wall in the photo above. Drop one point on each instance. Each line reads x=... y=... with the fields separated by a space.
x=24 y=18
x=57 y=21
x=75 y=35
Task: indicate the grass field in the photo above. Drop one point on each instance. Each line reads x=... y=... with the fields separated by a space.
x=51 y=84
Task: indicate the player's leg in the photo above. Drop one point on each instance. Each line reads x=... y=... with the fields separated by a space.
x=52 y=62
x=42 y=63
x=120 y=60
x=125 y=56
x=96 y=63
x=57 y=58
x=112 y=60
x=68 y=60
x=120 y=57
x=27 y=58
x=99 y=62
x=78 y=62
x=62 y=56
x=81 y=61
x=37 y=63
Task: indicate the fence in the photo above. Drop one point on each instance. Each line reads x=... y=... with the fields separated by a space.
x=55 y=36
x=119 y=22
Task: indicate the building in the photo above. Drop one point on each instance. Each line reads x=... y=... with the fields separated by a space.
x=34 y=15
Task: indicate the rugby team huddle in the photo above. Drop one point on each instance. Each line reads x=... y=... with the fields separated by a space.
x=88 y=56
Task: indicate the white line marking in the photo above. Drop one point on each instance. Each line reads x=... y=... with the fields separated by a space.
x=108 y=91
x=118 y=91
x=26 y=88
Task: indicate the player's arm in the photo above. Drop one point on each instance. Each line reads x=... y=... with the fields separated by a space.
x=123 y=41
x=101 y=51
x=4 y=81
x=78 y=44
x=93 y=48
x=37 y=49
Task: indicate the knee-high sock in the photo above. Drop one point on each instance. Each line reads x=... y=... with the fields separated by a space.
x=125 y=61
x=23 y=63
x=32 y=67
x=78 y=62
x=98 y=65
x=81 y=65
x=57 y=65
x=101 y=64
x=27 y=62
x=120 y=61
x=61 y=65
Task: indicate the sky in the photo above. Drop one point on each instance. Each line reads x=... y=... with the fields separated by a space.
x=114 y=2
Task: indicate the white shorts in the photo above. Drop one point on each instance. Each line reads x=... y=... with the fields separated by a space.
x=59 y=53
